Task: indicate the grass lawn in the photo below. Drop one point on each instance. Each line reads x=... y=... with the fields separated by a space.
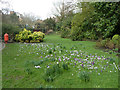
x=58 y=63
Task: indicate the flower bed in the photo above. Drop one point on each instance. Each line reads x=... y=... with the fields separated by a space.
x=60 y=60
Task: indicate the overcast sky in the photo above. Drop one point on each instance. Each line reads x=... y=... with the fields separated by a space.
x=39 y=8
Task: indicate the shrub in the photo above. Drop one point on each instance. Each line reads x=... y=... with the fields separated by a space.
x=116 y=49
x=115 y=38
x=27 y=36
x=65 y=32
x=98 y=44
x=76 y=33
x=110 y=44
x=103 y=43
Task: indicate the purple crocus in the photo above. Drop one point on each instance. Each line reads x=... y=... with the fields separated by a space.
x=93 y=63
x=59 y=59
x=75 y=63
x=41 y=56
x=101 y=70
x=82 y=65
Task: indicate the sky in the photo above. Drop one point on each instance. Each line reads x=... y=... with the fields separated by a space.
x=39 y=8
x=42 y=9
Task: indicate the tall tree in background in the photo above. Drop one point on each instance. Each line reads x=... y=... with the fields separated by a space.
x=49 y=23
x=63 y=9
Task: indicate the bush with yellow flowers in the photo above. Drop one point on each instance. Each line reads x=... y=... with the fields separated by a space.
x=27 y=36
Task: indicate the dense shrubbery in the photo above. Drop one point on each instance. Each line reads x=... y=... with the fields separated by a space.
x=10 y=29
x=97 y=20
x=28 y=36
x=110 y=43
x=65 y=32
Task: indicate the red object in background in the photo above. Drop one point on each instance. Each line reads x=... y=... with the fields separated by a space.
x=6 y=37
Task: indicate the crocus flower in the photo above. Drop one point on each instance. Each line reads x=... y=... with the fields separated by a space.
x=48 y=66
x=59 y=59
x=75 y=63
x=82 y=65
x=37 y=67
x=93 y=63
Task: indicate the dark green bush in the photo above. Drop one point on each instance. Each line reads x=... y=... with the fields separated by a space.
x=65 y=32
x=76 y=33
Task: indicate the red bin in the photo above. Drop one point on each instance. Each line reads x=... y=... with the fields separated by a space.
x=6 y=38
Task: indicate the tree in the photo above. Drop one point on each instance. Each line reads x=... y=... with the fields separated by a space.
x=63 y=9
x=49 y=23
x=28 y=20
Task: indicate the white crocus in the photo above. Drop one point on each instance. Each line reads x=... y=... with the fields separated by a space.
x=37 y=67
x=57 y=62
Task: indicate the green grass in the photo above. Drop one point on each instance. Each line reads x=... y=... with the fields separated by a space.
x=16 y=58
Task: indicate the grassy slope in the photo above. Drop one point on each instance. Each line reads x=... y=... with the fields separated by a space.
x=13 y=67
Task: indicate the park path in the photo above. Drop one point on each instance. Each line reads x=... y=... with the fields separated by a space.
x=2 y=45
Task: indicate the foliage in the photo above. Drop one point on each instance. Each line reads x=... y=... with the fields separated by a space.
x=115 y=39
x=27 y=36
x=84 y=76
x=81 y=23
x=10 y=29
x=65 y=32
x=50 y=24
x=66 y=26
x=51 y=73
x=108 y=18
x=110 y=43
x=28 y=70
x=65 y=66
x=106 y=43
x=95 y=21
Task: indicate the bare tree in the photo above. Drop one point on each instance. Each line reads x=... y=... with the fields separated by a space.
x=5 y=6
x=63 y=8
x=28 y=19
